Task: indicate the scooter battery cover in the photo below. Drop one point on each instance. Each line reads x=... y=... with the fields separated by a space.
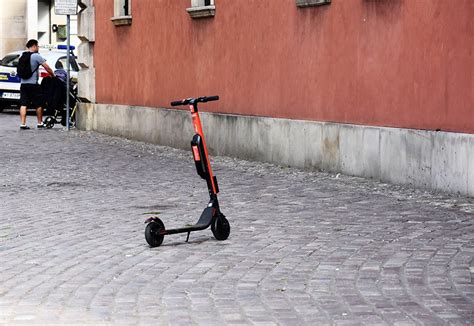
x=199 y=157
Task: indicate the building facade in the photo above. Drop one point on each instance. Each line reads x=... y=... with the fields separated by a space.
x=380 y=89
x=21 y=20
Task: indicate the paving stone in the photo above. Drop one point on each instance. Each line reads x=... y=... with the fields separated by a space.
x=305 y=247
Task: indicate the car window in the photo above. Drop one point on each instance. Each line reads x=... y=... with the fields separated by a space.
x=62 y=63
x=10 y=60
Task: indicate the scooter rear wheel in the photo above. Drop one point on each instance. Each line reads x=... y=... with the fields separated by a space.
x=152 y=233
x=220 y=228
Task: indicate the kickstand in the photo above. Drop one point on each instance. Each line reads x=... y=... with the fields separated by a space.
x=187 y=239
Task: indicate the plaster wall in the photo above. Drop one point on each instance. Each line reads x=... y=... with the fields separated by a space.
x=13 y=17
x=441 y=161
x=394 y=63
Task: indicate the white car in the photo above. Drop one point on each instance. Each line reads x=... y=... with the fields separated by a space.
x=10 y=83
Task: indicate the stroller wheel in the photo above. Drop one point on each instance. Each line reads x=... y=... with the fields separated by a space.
x=49 y=122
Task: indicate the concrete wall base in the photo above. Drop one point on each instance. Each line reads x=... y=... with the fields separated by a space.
x=427 y=159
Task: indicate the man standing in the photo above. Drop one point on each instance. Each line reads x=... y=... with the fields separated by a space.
x=30 y=90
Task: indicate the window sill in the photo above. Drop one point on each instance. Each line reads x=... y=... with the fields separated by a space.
x=312 y=3
x=202 y=12
x=121 y=20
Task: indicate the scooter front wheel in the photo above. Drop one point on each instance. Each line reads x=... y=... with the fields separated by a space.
x=220 y=228
x=153 y=234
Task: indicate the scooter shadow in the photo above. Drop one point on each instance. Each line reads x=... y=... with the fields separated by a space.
x=181 y=243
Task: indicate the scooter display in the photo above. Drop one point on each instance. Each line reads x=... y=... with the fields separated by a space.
x=212 y=215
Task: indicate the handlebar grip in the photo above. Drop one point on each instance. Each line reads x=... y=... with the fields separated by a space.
x=212 y=98
x=177 y=103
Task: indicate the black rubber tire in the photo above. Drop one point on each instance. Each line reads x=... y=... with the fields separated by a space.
x=4 y=106
x=220 y=228
x=49 y=122
x=152 y=230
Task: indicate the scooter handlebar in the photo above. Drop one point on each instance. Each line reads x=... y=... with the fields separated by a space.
x=211 y=98
x=177 y=103
x=202 y=99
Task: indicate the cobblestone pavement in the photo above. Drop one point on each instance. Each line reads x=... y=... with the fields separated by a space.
x=305 y=248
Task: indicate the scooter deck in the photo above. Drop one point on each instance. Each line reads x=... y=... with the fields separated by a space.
x=203 y=223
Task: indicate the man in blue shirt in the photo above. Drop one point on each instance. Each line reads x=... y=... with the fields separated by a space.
x=30 y=90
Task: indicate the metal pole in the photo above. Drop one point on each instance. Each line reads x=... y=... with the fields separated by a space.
x=68 y=35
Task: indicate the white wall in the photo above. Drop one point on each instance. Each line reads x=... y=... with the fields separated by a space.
x=32 y=19
x=61 y=20
x=13 y=17
x=441 y=161
x=21 y=20
x=44 y=28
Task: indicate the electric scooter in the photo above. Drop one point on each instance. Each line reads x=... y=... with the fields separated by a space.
x=212 y=215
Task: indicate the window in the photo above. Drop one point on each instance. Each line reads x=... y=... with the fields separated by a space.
x=62 y=63
x=122 y=8
x=311 y=3
x=202 y=8
x=122 y=12
x=10 y=60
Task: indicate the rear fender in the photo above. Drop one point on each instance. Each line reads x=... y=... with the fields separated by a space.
x=152 y=219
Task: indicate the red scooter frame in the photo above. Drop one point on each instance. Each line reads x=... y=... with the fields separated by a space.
x=212 y=215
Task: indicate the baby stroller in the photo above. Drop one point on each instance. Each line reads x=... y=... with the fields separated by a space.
x=54 y=92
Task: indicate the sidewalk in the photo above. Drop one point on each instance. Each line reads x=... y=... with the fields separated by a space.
x=304 y=249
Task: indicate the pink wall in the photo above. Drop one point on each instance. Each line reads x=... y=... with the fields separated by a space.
x=398 y=63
